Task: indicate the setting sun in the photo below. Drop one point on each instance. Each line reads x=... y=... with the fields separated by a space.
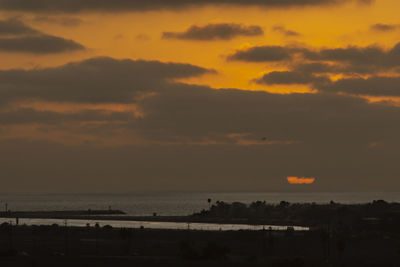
x=300 y=180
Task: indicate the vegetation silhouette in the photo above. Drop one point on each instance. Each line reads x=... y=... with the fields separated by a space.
x=340 y=235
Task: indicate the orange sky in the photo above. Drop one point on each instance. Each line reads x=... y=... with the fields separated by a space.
x=214 y=120
x=116 y=35
x=137 y=35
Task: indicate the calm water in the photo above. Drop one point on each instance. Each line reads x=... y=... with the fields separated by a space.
x=171 y=203
x=154 y=225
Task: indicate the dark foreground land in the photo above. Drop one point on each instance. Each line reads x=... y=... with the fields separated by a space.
x=340 y=235
x=61 y=246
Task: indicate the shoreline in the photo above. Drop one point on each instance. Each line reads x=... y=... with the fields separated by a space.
x=117 y=215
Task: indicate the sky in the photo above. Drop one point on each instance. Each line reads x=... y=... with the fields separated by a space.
x=190 y=95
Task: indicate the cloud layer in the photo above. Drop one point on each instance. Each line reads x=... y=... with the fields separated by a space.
x=50 y=6
x=185 y=131
x=97 y=80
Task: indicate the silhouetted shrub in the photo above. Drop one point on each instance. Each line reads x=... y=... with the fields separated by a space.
x=4 y=225
x=107 y=227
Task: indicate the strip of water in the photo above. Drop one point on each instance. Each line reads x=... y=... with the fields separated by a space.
x=152 y=225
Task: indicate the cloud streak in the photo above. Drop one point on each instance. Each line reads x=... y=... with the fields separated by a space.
x=15 y=36
x=286 y=32
x=374 y=86
x=210 y=32
x=263 y=54
x=71 y=6
x=291 y=77
x=381 y=27
x=15 y=27
x=43 y=44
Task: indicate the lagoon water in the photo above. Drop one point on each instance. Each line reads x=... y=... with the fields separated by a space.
x=171 y=203
x=153 y=225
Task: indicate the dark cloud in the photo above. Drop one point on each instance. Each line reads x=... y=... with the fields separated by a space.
x=286 y=32
x=69 y=6
x=331 y=143
x=205 y=113
x=360 y=59
x=325 y=138
x=374 y=86
x=220 y=31
x=291 y=77
x=15 y=36
x=348 y=60
x=315 y=73
x=312 y=67
x=15 y=27
x=355 y=56
x=384 y=27
x=324 y=68
x=98 y=80
x=318 y=67
x=42 y=44
x=263 y=54
x=357 y=61
x=344 y=141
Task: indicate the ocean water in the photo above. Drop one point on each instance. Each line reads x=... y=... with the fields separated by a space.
x=171 y=203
